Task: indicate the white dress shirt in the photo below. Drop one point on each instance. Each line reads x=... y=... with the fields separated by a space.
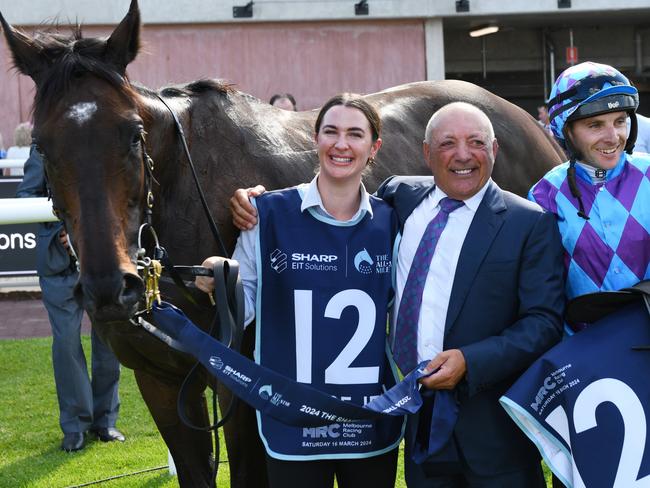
x=246 y=249
x=440 y=280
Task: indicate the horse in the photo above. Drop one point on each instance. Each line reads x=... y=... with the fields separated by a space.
x=96 y=131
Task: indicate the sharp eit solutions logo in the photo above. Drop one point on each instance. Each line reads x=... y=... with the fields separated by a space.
x=278 y=261
x=303 y=261
x=216 y=362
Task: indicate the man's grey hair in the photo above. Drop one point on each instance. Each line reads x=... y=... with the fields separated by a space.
x=467 y=107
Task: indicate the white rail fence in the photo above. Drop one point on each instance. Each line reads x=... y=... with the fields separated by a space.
x=17 y=234
x=23 y=210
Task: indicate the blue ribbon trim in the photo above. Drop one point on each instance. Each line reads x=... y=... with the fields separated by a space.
x=299 y=404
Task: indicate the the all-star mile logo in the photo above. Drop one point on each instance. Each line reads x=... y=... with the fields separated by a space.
x=366 y=263
x=363 y=262
x=266 y=393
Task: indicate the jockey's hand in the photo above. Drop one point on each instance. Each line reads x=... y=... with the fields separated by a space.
x=452 y=369
x=206 y=283
x=244 y=215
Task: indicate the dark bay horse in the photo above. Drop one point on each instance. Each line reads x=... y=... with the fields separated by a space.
x=93 y=127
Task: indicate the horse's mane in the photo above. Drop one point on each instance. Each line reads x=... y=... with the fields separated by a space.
x=68 y=58
x=198 y=87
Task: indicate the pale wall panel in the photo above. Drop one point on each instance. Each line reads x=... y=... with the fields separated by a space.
x=312 y=60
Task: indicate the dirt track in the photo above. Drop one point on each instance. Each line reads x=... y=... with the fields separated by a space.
x=22 y=315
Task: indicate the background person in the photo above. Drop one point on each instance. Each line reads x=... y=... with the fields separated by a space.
x=542 y=118
x=84 y=403
x=601 y=196
x=285 y=101
x=317 y=268
x=20 y=149
x=643 y=134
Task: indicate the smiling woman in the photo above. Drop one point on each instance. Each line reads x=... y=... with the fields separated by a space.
x=336 y=241
x=346 y=146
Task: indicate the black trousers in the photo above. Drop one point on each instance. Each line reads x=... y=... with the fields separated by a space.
x=377 y=472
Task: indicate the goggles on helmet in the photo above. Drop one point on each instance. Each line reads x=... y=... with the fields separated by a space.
x=591 y=89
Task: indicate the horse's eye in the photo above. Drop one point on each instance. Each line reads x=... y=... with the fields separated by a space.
x=135 y=140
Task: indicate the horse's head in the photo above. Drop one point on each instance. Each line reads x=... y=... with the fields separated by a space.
x=88 y=126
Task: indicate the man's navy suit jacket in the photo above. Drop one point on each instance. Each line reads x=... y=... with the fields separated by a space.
x=505 y=310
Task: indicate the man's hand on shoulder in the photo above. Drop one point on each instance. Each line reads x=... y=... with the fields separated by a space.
x=244 y=216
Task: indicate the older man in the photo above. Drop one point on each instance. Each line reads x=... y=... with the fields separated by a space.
x=479 y=290
x=491 y=301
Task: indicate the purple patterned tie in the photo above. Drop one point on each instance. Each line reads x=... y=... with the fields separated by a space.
x=405 y=351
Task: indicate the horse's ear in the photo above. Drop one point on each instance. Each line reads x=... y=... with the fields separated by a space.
x=25 y=53
x=122 y=47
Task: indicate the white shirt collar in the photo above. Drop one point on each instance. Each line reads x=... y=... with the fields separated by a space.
x=591 y=172
x=471 y=203
x=311 y=198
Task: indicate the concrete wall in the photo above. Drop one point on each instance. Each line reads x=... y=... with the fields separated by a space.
x=193 y=11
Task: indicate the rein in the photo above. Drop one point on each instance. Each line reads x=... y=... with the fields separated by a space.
x=228 y=290
x=204 y=202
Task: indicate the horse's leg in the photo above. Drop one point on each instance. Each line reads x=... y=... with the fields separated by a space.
x=246 y=454
x=191 y=449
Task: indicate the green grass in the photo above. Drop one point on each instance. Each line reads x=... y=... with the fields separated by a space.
x=30 y=436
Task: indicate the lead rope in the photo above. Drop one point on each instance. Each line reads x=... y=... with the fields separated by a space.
x=170 y=268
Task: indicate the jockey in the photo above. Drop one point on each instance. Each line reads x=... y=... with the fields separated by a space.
x=601 y=195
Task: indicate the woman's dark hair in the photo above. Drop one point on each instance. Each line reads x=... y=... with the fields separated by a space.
x=288 y=96
x=354 y=101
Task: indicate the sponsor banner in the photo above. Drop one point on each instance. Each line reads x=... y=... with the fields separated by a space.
x=325 y=419
x=17 y=241
x=585 y=403
x=363 y=262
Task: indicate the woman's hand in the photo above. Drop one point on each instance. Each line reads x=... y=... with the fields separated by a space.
x=206 y=283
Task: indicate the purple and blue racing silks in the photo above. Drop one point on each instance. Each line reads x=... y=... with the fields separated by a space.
x=611 y=250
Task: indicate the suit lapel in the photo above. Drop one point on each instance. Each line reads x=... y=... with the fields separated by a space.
x=484 y=228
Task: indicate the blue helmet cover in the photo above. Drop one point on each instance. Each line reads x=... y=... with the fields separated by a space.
x=584 y=84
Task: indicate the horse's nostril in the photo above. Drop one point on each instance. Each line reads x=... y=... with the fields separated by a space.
x=132 y=290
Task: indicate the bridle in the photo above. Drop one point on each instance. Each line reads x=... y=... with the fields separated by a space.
x=229 y=317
